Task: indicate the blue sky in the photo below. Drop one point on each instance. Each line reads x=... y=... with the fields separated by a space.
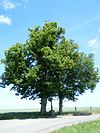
x=80 y=18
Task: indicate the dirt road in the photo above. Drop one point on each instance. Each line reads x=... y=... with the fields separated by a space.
x=42 y=125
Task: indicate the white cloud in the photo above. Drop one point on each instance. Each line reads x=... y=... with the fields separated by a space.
x=22 y=3
x=6 y=4
x=5 y=20
x=86 y=22
x=98 y=29
x=92 y=42
x=25 y=1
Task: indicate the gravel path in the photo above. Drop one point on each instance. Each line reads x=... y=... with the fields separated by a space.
x=42 y=125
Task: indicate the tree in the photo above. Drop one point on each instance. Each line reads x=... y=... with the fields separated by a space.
x=81 y=77
x=34 y=67
x=44 y=66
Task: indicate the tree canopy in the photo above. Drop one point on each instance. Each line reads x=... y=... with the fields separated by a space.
x=48 y=65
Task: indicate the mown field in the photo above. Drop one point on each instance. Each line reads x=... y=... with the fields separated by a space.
x=69 y=109
x=87 y=127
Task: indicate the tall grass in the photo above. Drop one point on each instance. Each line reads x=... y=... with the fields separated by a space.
x=87 y=127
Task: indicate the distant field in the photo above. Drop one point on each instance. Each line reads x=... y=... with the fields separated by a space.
x=87 y=127
x=69 y=109
x=18 y=110
x=94 y=110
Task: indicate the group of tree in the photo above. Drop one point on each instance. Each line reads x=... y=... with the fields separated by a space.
x=48 y=65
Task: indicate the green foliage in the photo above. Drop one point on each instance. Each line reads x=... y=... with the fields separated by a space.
x=81 y=77
x=48 y=65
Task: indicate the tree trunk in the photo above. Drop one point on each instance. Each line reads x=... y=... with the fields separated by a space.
x=43 y=105
x=52 y=112
x=51 y=105
x=60 y=105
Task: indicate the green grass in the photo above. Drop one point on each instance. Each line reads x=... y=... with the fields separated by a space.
x=24 y=115
x=87 y=127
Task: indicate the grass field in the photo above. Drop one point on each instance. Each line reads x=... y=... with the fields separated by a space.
x=87 y=127
x=30 y=113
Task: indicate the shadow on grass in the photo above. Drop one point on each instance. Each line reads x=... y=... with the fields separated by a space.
x=77 y=113
x=24 y=115
x=81 y=113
